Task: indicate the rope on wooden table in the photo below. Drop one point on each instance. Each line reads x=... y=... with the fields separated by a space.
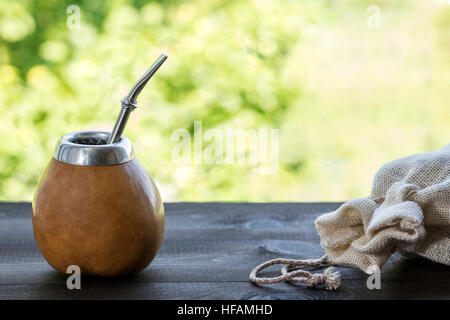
x=290 y=272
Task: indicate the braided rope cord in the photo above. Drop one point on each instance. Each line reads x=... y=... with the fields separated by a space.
x=291 y=273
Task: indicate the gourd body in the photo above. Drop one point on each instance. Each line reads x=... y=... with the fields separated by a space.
x=108 y=220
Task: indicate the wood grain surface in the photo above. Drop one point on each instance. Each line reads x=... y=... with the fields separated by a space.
x=208 y=252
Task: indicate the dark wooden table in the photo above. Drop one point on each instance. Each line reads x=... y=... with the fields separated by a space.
x=208 y=253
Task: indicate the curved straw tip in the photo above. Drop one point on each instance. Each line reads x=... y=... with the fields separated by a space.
x=163 y=56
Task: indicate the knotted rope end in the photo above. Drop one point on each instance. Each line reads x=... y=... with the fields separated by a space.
x=332 y=279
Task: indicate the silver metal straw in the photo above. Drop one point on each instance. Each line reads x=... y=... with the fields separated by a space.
x=129 y=101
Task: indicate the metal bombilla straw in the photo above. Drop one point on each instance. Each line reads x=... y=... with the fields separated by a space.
x=129 y=102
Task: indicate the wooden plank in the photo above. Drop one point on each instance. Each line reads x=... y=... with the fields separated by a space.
x=208 y=252
x=392 y=288
x=185 y=290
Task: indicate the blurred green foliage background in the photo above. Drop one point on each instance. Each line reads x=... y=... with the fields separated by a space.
x=346 y=98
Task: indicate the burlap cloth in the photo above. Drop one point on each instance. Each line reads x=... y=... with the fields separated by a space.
x=408 y=211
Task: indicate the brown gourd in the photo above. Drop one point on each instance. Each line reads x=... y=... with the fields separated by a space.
x=108 y=220
x=95 y=206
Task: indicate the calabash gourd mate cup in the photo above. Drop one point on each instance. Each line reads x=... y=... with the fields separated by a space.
x=95 y=206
